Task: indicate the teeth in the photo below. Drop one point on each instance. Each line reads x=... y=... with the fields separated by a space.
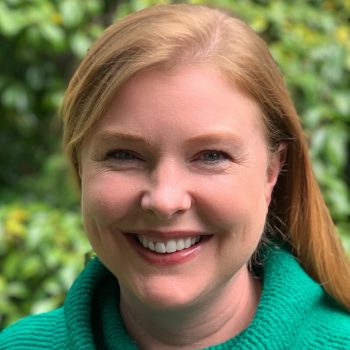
x=170 y=246
x=180 y=244
x=188 y=242
x=160 y=247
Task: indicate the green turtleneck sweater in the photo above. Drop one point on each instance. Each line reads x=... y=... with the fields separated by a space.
x=293 y=313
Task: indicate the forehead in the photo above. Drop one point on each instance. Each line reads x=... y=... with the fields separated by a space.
x=191 y=100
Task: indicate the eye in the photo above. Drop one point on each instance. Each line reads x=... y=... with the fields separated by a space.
x=122 y=155
x=213 y=156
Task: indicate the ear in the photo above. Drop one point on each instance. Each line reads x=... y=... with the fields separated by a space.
x=276 y=162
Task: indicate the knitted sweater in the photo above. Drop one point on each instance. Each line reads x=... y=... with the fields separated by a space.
x=293 y=313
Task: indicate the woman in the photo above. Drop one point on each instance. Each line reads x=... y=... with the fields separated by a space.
x=197 y=196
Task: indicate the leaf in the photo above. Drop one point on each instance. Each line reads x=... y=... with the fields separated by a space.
x=72 y=13
x=53 y=34
x=80 y=44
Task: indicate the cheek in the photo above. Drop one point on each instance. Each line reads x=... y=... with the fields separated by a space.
x=107 y=198
x=235 y=201
x=236 y=210
x=107 y=202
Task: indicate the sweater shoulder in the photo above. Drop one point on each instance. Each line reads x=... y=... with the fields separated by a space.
x=41 y=331
x=328 y=327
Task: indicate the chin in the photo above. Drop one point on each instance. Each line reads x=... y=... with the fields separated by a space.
x=167 y=294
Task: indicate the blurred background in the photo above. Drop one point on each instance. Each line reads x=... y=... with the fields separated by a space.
x=42 y=243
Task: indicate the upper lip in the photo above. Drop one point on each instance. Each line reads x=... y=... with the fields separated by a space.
x=168 y=234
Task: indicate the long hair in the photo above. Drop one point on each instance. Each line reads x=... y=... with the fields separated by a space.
x=169 y=36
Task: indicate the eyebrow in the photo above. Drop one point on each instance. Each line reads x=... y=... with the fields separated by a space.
x=111 y=136
x=212 y=137
x=217 y=136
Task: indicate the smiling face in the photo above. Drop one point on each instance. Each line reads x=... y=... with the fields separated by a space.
x=178 y=164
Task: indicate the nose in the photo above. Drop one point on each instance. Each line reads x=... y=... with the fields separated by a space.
x=167 y=193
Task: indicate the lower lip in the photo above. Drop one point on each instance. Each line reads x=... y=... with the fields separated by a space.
x=178 y=257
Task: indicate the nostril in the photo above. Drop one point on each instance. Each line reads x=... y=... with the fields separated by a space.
x=166 y=204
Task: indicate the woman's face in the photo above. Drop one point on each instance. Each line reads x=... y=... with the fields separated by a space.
x=179 y=163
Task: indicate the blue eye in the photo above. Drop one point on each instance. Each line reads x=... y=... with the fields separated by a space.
x=213 y=156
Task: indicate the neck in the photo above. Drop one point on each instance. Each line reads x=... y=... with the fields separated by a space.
x=213 y=320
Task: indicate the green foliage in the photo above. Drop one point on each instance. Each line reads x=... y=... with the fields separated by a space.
x=43 y=41
x=42 y=250
x=42 y=246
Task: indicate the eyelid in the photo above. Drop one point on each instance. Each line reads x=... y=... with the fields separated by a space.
x=226 y=155
x=134 y=156
x=113 y=152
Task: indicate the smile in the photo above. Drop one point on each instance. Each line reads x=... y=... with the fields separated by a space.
x=169 y=246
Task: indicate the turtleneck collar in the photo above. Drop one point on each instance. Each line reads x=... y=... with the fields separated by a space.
x=93 y=321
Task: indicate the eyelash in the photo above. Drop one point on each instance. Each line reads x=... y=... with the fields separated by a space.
x=116 y=153
x=222 y=156
x=119 y=155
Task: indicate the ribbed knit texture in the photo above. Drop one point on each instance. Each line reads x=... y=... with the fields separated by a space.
x=293 y=313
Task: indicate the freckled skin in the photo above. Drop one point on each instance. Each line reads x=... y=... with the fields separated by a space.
x=168 y=183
